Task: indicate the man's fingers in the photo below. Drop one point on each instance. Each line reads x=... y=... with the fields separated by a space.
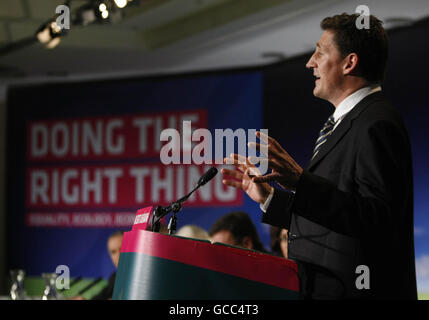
x=262 y=148
x=232 y=183
x=237 y=159
x=275 y=165
x=262 y=136
x=273 y=153
x=277 y=145
x=233 y=159
x=232 y=173
x=267 y=178
x=270 y=150
x=270 y=140
x=253 y=171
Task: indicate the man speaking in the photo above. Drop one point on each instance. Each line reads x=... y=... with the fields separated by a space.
x=350 y=212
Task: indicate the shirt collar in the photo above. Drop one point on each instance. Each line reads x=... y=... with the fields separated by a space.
x=352 y=100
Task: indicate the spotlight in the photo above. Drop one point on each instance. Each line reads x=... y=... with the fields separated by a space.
x=53 y=43
x=102 y=8
x=94 y=12
x=49 y=34
x=121 y=3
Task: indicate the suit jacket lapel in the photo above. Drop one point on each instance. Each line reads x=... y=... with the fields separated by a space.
x=342 y=128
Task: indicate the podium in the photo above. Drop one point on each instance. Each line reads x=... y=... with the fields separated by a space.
x=154 y=266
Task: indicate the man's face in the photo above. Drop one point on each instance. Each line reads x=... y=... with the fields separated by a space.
x=327 y=63
x=114 y=248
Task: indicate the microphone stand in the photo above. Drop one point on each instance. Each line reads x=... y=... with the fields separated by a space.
x=172 y=225
x=175 y=206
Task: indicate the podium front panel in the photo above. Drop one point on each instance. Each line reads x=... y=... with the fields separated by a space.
x=154 y=266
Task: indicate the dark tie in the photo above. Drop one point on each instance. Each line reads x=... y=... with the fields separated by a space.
x=324 y=134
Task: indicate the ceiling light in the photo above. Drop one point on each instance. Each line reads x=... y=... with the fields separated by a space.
x=53 y=43
x=121 y=3
x=102 y=7
x=49 y=34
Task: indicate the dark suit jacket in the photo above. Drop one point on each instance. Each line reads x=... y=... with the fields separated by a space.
x=353 y=206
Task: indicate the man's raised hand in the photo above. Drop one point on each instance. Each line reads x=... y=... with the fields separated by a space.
x=285 y=171
x=240 y=178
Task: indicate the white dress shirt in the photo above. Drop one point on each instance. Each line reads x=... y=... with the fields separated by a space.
x=340 y=112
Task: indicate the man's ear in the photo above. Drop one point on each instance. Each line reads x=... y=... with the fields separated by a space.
x=350 y=63
x=247 y=242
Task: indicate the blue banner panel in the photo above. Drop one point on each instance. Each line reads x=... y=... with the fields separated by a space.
x=82 y=158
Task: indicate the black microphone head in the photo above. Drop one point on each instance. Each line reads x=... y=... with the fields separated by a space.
x=206 y=177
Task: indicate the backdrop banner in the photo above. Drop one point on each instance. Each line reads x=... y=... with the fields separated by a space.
x=83 y=158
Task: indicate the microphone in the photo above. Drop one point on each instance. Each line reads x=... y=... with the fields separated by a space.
x=160 y=212
x=206 y=177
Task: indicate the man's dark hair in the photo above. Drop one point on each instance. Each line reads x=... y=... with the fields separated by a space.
x=240 y=225
x=371 y=45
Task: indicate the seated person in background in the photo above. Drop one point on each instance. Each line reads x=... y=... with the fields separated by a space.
x=279 y=241
x=193 y=231
x=114 y=243
x=236 y=228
